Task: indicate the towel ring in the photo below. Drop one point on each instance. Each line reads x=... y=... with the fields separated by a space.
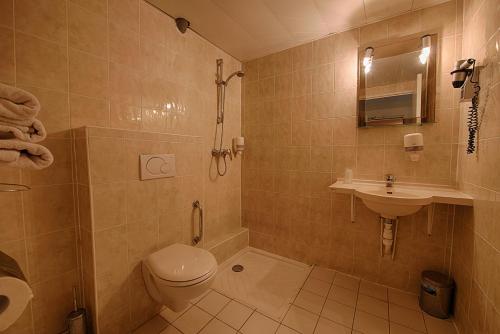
x=13 y=187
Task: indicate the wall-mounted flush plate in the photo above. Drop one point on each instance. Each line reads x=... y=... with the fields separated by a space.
x=155 y=166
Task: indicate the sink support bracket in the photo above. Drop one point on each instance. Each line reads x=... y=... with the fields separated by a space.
x=430 y=218
x=353 y=208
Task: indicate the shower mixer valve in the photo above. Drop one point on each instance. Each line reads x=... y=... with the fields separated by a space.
x=222 y=153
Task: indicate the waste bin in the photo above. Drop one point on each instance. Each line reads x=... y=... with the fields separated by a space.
x=436 y=294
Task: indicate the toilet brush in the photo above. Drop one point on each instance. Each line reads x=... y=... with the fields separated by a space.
x=76 y=319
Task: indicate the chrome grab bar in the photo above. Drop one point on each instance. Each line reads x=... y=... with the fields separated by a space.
x=199 y=237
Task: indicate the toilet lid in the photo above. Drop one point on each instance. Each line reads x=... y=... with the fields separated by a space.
x=181 y=263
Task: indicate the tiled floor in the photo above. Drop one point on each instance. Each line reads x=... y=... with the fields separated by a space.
x=328 y=303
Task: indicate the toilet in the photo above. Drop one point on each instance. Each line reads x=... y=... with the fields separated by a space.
x=178 y=273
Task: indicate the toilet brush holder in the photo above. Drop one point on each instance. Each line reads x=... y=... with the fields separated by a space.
x=76 y=319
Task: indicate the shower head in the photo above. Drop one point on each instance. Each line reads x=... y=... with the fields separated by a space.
x=239 y=74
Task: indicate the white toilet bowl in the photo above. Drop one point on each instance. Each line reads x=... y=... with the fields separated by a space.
x=178 y=273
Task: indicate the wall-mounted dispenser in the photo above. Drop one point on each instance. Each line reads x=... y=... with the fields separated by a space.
x=414 y=144
x=238 y=145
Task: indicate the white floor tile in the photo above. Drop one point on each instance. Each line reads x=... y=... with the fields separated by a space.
x=323 y=274
x=399 y=329
x=235 y=314
x=438 y=326
x=370 y=324
x=192 y=321
x=216 y=326
x=343 y=295
x=326 y=326
x=405 y=299
x=373 y=306
x=170 y=315
x=310 y=301
x=170 y=330
x=213 y=302
x=317 y=286
x=259 y=324
x=197 y=299
x=339 y=313
x=406 y=317
x=346 y=281
x=286 y=330
x=373 y=290
x=153 y=326
x=301 y=320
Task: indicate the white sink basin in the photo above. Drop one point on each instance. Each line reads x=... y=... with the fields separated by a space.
x=406 y=199
x=393 y=202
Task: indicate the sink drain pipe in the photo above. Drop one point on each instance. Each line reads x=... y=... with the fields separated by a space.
x=388 y=236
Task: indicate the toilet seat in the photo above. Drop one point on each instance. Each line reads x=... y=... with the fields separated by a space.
x=180 y=265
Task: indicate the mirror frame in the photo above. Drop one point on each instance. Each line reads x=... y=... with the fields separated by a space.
x=428 y=91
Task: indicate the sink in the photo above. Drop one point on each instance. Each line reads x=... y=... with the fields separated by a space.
x=393 y=202
x=406 y=198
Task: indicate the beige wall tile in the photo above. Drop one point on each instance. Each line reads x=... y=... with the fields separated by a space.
x=13 y=226
x=51 y=255
x=87 y=111
x=7 y=13
x=96 y=6
x=125 y=13
x=88 y=75
x=40 y=63
x=124 y=46
x=48 y=209
x=107 y=160
x=45 y=19
x=110 y=206
x=88 y=30
x=7 y=67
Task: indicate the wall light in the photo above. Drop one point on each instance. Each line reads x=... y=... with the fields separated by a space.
x=426 y=49
x=367 y=60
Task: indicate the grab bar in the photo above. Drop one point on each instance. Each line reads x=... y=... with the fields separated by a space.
x=199 y=237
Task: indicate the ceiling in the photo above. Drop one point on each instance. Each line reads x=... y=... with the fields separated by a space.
x=249 y=29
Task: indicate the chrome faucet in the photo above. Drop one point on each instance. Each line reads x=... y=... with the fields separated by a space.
x=389 y=180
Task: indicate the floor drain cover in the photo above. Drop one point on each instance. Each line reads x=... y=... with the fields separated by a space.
x=238 y=268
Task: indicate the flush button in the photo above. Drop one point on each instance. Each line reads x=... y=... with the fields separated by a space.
x=155 y=166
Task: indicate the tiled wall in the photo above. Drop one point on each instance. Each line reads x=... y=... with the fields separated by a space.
x=300 y=124
x=476 y=255
x=112 y=64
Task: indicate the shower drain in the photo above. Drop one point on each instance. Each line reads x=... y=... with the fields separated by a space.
x=238 y=268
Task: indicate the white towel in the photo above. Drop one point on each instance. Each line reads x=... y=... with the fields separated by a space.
x=17 y=104
x=33 y=133
x=17 y=153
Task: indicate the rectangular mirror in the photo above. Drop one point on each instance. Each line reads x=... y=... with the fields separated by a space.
x=397 y=82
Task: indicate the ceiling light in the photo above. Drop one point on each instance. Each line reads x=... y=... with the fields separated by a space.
x=367 y=60
x=426 y=49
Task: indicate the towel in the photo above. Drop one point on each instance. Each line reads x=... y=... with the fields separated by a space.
x=32 y=133
x=17 y=104
x=17 y=153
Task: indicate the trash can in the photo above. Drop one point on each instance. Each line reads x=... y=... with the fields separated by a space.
x=436 y=294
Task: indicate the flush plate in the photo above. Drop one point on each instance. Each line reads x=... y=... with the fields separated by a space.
x=155 y=166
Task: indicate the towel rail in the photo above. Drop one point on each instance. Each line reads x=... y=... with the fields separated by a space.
x=13 y=187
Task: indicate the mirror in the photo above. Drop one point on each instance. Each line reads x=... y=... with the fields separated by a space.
x=397 y=82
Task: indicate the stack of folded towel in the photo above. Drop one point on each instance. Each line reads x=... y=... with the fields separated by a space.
x=20 y=130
